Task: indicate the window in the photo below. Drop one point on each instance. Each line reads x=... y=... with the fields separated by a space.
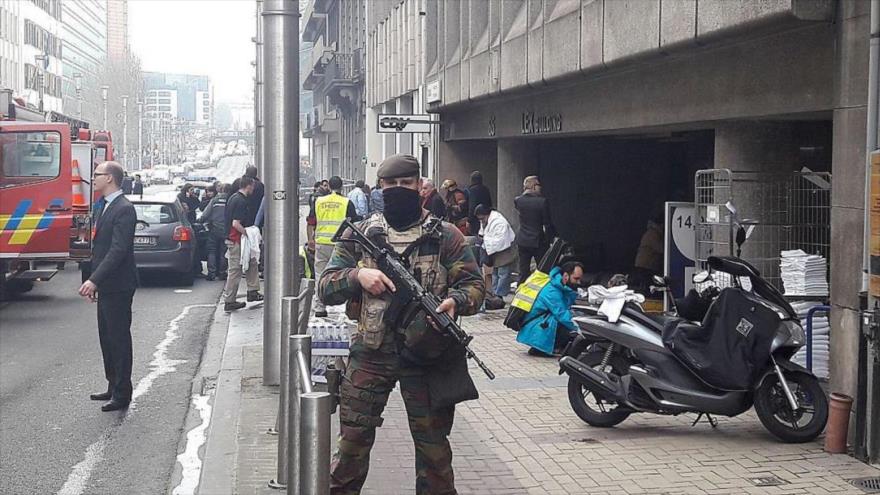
x=154 y=213
x=30 y=154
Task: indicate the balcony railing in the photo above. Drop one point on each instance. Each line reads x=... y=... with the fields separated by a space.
x=344 y=70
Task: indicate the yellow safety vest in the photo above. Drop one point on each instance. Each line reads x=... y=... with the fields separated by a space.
x=527 y=292
x=330 y=213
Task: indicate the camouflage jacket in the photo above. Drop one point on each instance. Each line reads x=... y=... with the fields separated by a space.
x=338 y=282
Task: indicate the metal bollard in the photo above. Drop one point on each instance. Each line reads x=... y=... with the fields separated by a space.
x=314 y=467
x=289 y=314
x=334 y=379
x=300 y=353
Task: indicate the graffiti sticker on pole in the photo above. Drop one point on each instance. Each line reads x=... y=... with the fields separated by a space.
x=279 y=195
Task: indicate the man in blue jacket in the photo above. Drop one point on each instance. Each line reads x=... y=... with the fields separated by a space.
x=548 y=326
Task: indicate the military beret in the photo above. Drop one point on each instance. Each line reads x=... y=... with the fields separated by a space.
x=400 y=165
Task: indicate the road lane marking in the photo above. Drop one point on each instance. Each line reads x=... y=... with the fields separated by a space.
x=189 y=459
x=160 y=365
x=80 y=474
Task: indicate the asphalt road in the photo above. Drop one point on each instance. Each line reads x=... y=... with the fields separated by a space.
x=51 y=435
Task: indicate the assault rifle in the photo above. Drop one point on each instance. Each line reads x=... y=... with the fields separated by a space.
x=410 y=295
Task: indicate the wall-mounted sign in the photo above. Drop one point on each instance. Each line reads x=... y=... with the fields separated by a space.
x=405 y=124
x=541 y=124
x=432 y=92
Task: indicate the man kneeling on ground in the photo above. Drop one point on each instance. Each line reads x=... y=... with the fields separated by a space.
x=549 y=325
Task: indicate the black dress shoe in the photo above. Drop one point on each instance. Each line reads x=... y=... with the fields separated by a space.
x=253 y=295
x=114 y=405
x=101 y=396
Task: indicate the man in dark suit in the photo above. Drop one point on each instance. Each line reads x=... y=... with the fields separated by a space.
x=113 y=282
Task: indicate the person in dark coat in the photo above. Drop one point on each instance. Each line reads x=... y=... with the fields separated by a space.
x=256 y=197
x=478 y=194
x=431 y=199
x=535 y=226
x=112 y=283
x=188 y=199
x=138 y=186
x=127 y=184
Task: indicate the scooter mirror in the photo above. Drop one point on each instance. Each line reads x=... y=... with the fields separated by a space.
x=658 y=280
x=701 y=277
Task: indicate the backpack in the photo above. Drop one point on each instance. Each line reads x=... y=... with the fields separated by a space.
x=527 y=292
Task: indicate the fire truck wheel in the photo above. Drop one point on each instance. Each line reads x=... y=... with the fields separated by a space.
x=10 y=288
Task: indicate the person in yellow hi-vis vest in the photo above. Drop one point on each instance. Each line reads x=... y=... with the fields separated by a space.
x=322 y=223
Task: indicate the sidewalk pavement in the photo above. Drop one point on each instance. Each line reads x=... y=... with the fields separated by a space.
x=521 y=437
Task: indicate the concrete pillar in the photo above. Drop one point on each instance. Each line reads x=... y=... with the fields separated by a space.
x=756 y=146
x=457 y=159
x=517 y=159
x=374 y=147
x=847 y=194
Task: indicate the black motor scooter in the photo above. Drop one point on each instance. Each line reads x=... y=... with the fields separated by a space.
x=737 y=357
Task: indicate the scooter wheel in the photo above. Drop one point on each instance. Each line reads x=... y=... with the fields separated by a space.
x=774 y=411
x=590 y=407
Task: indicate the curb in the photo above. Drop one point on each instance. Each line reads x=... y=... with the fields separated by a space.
x=221 y=376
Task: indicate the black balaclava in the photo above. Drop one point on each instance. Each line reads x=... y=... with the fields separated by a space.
x=402 y=207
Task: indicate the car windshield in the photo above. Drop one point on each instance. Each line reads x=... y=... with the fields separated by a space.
x=155 y=213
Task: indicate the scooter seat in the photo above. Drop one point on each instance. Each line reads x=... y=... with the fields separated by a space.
x=655 y=322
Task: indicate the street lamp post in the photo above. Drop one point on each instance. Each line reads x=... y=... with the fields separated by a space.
x=280 y=157
x=104 y=90
x=258 y=94
x=140 y=150
x=77 y=81
x=40 y=60
x=125 y=130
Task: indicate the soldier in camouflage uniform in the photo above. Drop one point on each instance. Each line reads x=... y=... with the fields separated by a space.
x=380 y=356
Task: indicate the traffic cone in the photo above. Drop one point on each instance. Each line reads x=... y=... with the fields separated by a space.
x=76 y=187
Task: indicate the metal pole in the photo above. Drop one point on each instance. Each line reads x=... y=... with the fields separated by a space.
x=289 y=314
x=300 y=350
x=140 y=161
x=125 y=131
x=77 y=81
x=314 y=461
x=258 y=93
x=281 y=142
x=104 y=90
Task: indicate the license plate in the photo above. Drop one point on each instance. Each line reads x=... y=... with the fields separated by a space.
x=144 y=241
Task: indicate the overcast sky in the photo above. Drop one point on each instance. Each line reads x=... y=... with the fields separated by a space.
x=205 y=37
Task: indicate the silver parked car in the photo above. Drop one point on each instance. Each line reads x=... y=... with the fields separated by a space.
x=164 y=240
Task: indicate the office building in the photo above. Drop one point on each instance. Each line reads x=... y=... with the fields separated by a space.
x=84 y=51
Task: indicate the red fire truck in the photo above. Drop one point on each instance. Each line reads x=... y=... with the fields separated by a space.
x=45 y=191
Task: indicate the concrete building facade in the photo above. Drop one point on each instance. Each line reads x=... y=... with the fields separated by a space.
x=616 y=104
x=10 y=46
x=117 y=30
x=396 y=81
x=335 y=76
x=84 y=43
x=41 y=37
x=186 y=97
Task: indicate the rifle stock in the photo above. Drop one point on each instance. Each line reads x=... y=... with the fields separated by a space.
x=409 y=289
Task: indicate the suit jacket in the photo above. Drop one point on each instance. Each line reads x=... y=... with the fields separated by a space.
x=113 y=267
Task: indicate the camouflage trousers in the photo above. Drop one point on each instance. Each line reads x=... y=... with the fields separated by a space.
x=369 y=378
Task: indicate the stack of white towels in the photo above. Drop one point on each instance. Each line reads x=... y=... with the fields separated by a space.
x=804 y=274
x=821 y=339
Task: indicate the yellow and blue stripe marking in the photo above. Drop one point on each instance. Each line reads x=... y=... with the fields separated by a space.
x=23 y=225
